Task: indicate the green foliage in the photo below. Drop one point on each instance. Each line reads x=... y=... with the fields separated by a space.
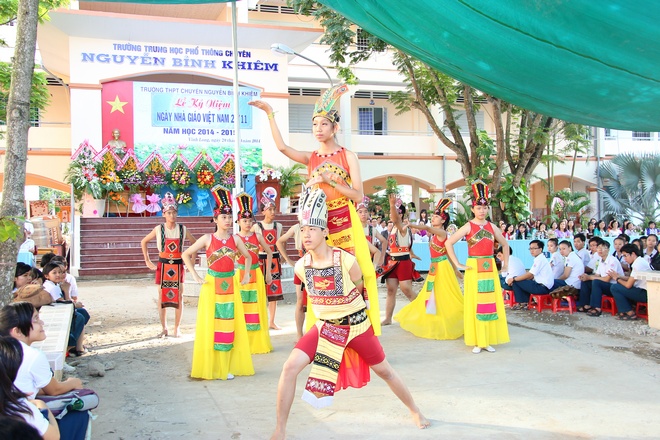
x=10 y=228
x=391 y=186
x=566 y=204
x=9 y=9
x=515 y=199
x=485 y=163
x=462 y=216
x=290 y=179
x=39 y=98
x=631 y=187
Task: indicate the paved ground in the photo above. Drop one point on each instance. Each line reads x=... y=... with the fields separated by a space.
x=560 y=377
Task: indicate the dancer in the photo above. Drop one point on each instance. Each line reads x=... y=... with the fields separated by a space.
x=372 y=234
x=253 y=294
x=335 y=291
x=221 y=349
x=337 y=172
x=169 y=272
x=484 y=317
x=399 y=269
x=301 y=295
x=437 y=312
x=271 y=231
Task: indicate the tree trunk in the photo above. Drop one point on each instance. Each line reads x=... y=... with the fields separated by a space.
x=18 y=123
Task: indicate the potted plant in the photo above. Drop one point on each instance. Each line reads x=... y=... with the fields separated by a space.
x=290 y=180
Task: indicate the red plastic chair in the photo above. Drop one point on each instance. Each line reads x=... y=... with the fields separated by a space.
x=558 y=307
x=608 y=305
x=540 y=302
x=642 y=310
x=509 y=298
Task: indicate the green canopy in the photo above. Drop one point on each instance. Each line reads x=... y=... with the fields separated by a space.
x=595 y=62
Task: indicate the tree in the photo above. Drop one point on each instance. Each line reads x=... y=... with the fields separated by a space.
x=632 y=187
x=521 y=136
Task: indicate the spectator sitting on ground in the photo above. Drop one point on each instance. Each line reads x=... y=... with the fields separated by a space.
x=651 y=229
x=573 y=267
x=595 y=285
x=629 y=288
x=13 y=403
x=538 y=280
x=556 y=260
x=579 y=241
x=618 y=244
x=514 y=269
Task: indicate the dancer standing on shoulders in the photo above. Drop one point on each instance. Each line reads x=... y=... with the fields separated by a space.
x=169 y=271
x=253 y=294
x=271 y=231
x=335 y=288
x=484 y=317
x=437 y=312
x=221 y=349
x=336 y=171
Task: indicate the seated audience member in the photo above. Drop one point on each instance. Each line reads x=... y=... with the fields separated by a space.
x=22 y=276
x=637 y=242
x=21 y=321
x=515 y=268
x=593 y=254
x=629 y=288
x=618 y=244
x=579 y=240
x=573 y=267
x=541 y=233
x=54 y=272
x=522 y=233
x=651 y=229
x=28 y=244
x=538 y=280
x=650 y=251
x=598 y=283
x=556 y=260
x=14 y=405
x=613 y=230
x=510 y=232
x=626 y=238
x=70 y=286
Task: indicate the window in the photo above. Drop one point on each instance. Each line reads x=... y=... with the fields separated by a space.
x=641 y=136
x=372 y=120
x=360 y=41
x=608 y=134
x=300 y=118
x=462 y=123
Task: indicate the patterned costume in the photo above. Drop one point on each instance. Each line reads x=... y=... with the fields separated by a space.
x=484 y=316
x=437 y=312
x=271 y=235
x=170 y=270
x=221 y=340
x=253 y=294
x=340 y=308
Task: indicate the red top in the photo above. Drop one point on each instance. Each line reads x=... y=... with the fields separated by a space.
x=437 y=247
x=220 y=254
x=480 y=240
x=334 y=163
x=252 y=244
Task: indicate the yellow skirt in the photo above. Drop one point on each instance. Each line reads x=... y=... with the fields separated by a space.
x=483 y=333
x=208 y=363
x=447 y=321
x=259 y=339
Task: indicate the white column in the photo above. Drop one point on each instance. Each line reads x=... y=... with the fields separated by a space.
x=346 y=121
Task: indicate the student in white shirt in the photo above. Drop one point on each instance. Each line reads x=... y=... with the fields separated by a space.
x=630 y=288
x=651 y=244
x=599 y=283
x=573 y=267
x=556 y=260
x=514 y=269
x=579 y=241
x=593 y=254
x=538 y=280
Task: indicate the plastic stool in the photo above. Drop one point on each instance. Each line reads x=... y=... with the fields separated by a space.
x=642 y=314
x=608 y=304
x=540 y=302
x=558 y=307
x=509 y=298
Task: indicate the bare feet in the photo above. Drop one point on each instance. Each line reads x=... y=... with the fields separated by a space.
x=278 y=435
x=421 y=421
x=386 y=322
x=274 y=326
x=177 y=333
x=162 y=334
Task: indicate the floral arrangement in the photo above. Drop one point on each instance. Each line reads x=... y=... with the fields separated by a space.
x=82 y=173
x=154 y=176
x=183 y=198
x=205 y=177
x=228 y=181
x=269 y=174
x=116 y=197
x=179 y=176
x=111 y=183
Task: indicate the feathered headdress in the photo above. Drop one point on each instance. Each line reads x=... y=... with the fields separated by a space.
x=441 y=207
x=222 y=198
x=266 y=201
x=169 y=202
x=364 y=203
x=314 y=210
x=324 y=105
x=244 y=201
x=480 y=193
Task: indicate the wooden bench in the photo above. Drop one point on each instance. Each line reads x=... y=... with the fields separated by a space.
x=57 y=323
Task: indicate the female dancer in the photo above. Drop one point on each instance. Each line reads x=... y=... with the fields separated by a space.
x=485 y=321
x=437 y=312
x=253 y=293
x=337 y=172
x=221 y=346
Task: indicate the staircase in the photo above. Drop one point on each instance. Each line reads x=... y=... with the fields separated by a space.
x=110 y=246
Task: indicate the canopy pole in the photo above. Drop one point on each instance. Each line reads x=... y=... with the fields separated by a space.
x=237 y=124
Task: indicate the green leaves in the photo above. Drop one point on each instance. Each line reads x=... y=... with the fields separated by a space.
x=515 y=199
x=10 y=229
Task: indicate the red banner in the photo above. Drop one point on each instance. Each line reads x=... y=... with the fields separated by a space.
x=117 y=111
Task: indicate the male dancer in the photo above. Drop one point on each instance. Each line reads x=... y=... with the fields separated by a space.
x=335 y=290
x=169 y=272
x=271 y=231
